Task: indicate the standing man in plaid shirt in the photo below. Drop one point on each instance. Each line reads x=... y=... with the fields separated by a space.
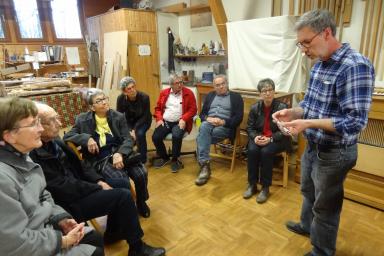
x=332 y=114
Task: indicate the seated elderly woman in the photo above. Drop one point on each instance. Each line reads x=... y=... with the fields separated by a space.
x=32 y=224
x=136 y=107
x=107 y=146
x=265 y=140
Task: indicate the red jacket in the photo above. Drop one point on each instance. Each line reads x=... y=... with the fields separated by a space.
x=188 y=105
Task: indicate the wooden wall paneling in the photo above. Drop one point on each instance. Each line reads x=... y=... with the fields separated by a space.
x=145 y=69
x=337 y=10
x=347 y=12
x=364 y=28
x=379 y=53
x=92 y=9
x=341 y=22
x=140 y=20
x=276 y=8
x=368 y=28
x=331 y=7
x=307 y=6
x=291 y=7
x=376 y=21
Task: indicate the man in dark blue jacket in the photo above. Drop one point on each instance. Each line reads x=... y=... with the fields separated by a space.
x=86 y=194
x=222 y=113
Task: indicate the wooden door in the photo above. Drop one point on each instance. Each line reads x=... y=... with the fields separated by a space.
x=145 y=69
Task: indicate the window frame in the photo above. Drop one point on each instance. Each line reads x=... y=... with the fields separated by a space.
x=4 y=23
x=81 y=21
x=42 y=21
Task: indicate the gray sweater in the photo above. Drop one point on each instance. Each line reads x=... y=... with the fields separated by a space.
x=28 y=214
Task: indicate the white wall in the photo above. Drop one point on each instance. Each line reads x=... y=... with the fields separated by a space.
x=243 y=10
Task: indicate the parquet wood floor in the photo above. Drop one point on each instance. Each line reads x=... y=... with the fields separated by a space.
x=214 y=220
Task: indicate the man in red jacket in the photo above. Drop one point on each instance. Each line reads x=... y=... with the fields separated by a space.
x=174 y=114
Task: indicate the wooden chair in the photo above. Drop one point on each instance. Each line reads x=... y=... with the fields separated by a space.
x=226 y=145
x=96 y=221
x=284 y=181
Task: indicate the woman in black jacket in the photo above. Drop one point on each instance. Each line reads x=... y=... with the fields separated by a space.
x=265 y=140
x=135 y=106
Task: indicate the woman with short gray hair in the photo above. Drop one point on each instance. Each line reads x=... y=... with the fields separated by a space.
x=135 y=105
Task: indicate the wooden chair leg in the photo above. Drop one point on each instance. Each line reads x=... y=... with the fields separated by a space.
x=285 y=169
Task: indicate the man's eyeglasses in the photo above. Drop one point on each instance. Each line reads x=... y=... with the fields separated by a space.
x=50 y=120
x=99 y=101
x=305 y=44
x=36 y=123
x=270 y=90
x=220 y=84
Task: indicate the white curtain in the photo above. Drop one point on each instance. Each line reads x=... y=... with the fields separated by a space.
x=265 y=48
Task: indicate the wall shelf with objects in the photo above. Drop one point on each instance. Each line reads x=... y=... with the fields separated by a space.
x=181 y=9
x=195 y=57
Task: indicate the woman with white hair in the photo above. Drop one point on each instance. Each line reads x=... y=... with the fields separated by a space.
x=136 y=108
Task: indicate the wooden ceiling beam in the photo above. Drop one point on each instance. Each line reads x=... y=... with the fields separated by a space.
x=220 y=17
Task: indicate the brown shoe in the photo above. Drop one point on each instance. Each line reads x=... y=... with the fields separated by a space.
x=204 y=174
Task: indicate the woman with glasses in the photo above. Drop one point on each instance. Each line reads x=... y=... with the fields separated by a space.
x=107 y=146
x=265 y=140
x=32 y=224
x=136 y=107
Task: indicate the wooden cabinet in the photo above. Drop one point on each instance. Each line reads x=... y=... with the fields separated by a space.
x=142 y=30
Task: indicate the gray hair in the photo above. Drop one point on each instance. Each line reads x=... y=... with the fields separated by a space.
x=173 y=77
x=92 y=93
x=317 y=20
x=223 y=77
x=264 y=83
x=125 y=81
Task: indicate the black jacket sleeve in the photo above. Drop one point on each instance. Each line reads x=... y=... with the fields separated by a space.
x=146 y=112
x=252 y=122
x=237 y=111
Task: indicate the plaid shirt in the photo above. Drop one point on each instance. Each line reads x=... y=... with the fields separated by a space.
x=341 y=89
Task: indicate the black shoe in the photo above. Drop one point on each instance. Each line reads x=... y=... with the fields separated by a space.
x=296 y=228
x=143 y=209
x=147 y=250
x=176 y=166
x=158 y=163
x=250 y=191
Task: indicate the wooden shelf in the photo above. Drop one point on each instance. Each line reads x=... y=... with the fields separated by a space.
x=199 y=56
x=182 y=10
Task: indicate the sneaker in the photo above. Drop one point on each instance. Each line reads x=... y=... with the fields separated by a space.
x=296 y=228
x=176 y=166
x=263 y=196
x=251 y=190
x=147 y=250
x=158 y=163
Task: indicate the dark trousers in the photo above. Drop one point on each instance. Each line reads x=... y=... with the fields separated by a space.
x=177 y=139
x=141 y=140
x=136 y=172
x=322 y=184
x=95 y=239
x=261 y=159
x=118 y=204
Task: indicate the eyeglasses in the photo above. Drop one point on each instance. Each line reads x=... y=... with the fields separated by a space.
x=270 y=90
x=178 y=83
x=220 y=84
x=52 y=119
x=99 y=101
x=36 y=123
x=305 y=44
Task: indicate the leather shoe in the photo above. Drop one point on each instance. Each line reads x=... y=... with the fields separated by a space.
x=147 y=250
x=204 y=175
x=250 y=191
x=263 y=196
x=296 y=228
x=143 y=209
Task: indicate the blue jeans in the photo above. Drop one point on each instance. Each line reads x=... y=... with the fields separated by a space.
x=209 y=134
x=323 y=172
x=141 y=140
